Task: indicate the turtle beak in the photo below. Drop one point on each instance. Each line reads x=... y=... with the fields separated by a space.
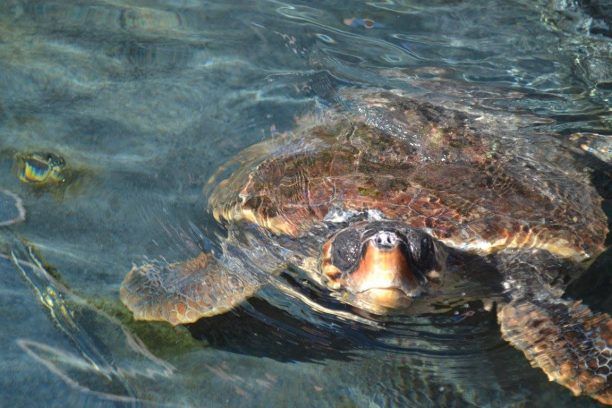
x=385 y=276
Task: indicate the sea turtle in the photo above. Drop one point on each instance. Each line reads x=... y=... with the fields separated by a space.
x=11 y=208
x=392 y=204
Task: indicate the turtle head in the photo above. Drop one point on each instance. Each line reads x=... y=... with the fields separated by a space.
x=381 y=265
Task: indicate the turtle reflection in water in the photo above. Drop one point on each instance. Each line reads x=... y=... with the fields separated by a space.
x=389 y=208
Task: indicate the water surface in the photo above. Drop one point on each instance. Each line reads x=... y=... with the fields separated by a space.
x=146 y=99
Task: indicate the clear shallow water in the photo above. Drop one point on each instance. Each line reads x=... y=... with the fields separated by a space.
x=145 y=100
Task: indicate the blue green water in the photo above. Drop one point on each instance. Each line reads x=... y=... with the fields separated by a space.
x=146 y=99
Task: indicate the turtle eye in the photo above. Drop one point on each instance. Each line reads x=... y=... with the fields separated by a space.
x=346 y=249
x=422 y=251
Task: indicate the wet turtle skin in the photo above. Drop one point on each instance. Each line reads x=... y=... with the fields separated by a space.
x=387 y=204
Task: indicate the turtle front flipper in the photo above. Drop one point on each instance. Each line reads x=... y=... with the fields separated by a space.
x=184 y=292
x=570 y=342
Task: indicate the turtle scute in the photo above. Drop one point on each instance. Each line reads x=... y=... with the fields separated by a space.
x=473 y=187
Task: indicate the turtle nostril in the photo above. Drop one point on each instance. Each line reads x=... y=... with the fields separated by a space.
x=385 y=239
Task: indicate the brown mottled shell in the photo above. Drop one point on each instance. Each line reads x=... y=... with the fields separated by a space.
x=471 y=184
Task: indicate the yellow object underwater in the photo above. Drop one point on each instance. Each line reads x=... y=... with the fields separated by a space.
x=41 y=168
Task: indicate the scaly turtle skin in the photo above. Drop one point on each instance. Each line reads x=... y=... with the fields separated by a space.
x=391 y=205
x=11 y=208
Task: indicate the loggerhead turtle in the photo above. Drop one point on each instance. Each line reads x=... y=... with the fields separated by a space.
x=389 y=206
